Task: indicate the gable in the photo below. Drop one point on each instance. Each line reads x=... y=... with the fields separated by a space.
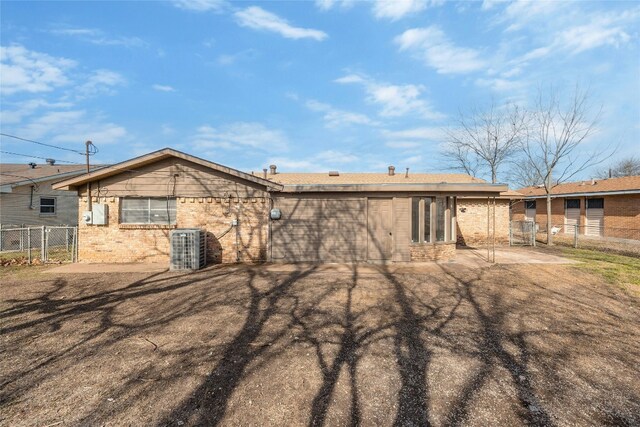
x=173 y=177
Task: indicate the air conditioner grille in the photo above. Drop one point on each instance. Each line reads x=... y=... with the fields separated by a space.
x=188 y=249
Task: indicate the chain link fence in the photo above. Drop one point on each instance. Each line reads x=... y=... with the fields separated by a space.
x=619 y=240
x=38 y=245
x=522 y=233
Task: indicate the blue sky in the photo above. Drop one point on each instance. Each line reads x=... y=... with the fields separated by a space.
x=310 y=86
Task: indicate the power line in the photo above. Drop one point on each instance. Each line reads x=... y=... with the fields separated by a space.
x=43 y=144
x=37 y=157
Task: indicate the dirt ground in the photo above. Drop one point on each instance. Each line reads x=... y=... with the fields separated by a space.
x=500 y=345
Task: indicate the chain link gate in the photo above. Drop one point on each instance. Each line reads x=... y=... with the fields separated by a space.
x=522 y=233
x=54 y=244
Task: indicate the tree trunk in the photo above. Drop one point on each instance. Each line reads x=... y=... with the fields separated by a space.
x=549 y=235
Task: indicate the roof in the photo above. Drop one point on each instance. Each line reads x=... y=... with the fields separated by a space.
x=623 y=185
x=17 y=174
x=371 y=178
x=153 y=157
x=383 y=182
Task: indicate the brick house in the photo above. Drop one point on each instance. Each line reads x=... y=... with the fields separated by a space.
x=274 y=216
x=599 y=207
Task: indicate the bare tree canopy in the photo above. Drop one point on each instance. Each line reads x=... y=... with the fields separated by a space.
x=553 y=149
x=483 y=140
x=629 y=166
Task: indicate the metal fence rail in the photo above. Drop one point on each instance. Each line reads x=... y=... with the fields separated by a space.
x=604 y=239
x=39 y=244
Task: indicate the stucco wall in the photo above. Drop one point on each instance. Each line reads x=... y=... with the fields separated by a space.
x=472 y=221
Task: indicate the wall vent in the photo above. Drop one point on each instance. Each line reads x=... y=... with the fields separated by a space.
x=188 y=249
x=334 y=173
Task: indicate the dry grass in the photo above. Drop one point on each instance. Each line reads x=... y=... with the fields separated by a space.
x=543 y=345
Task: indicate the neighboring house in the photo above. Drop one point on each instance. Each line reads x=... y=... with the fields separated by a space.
x=600 y=207
x=26 y=196
x=324 y=217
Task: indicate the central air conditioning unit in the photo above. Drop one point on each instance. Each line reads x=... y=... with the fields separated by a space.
x=188 y=249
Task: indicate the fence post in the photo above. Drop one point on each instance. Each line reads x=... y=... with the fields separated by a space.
x=29 y=243
x=43 y=245
x=66 y=240
x=533 y=233
x=575 y=236
x=510 y=233
x=1 y=238
x=21 y=240
x=75 y=245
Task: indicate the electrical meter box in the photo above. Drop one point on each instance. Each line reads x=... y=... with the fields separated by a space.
x=98 y=215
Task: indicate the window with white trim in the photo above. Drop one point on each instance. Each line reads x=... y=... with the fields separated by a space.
x=47 y=205
x=148 y=210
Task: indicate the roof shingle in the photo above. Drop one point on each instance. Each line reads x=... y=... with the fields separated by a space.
x=627 y=183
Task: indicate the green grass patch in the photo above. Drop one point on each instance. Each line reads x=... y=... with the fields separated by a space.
x=614 y=268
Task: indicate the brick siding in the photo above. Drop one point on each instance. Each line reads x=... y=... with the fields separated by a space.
x=432 y=252
x=472 y=221
x=117 y=242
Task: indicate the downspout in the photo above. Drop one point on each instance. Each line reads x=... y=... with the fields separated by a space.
x=33 y=188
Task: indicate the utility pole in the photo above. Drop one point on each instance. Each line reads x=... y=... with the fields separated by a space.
x=87 y=145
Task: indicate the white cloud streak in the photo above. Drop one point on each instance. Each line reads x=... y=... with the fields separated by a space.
x=394 y=100
x=240 y=136
x=201 y=5
x=335 y=118
x=256 y=18
x=163 y=88
x=433 y=47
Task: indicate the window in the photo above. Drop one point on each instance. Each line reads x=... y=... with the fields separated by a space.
x=529 y=204
x=440 y=210
x=573 y=203
x=147 y=210
x=429 y=219
x=595 y=203
x=47 y=205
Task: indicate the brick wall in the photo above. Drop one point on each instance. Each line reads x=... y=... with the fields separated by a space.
x=432 y=252
x=622 y=216
x=472 y=221
x=117 y=242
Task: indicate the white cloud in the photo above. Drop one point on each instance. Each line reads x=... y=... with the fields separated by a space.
x=335 y=118
x=431 y=45
x=335 y=156
x=24 y=70
x=74 y=126
x=395 y=100
x=396 y=9
x=421 y=133
x=163 y=88
x=595 y=34
x=325 y=5
x=100 y=82
x=9 y=115
x=259 y=19
x=99 y=37
x=201 y=5
x=240 y=136
x=402 y=144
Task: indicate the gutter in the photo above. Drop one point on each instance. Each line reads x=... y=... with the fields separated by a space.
x=602 y=193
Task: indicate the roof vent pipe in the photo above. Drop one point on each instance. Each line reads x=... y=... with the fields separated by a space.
x=334 y=173
x=406 y=174
x=392 y=170
x=32 y=165
x=264 y=173
x=593 y=181
x=273 y=169
x=51 y=162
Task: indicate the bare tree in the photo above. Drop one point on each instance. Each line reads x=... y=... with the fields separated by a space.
x=552 y=151
x=522 y=176
x=485 y=139
x=629 y=166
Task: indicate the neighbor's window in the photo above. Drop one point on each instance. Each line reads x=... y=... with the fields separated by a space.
x=573 y=203
x=47 y=205
x=429 y=219
x=529 y=204
x=147 y=210
x=595 y=203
